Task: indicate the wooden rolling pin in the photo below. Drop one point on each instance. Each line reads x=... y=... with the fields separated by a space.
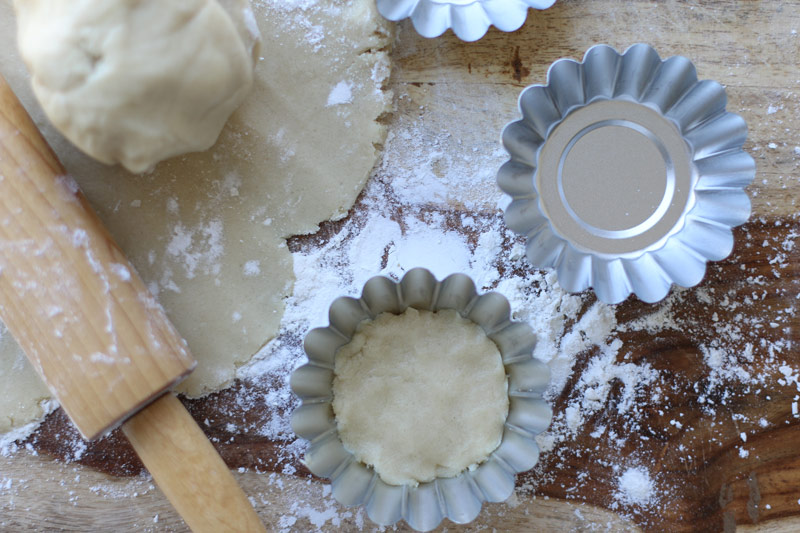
x=97 y=337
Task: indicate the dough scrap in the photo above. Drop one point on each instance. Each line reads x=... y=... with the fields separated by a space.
x=420 y=395
x=207 y=230
x=138 y=82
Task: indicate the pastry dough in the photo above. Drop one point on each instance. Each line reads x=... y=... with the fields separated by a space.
x=138 y=82
x=420 y=395
x=206 y=231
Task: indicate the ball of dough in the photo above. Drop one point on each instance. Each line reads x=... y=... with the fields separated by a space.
x=138 y=81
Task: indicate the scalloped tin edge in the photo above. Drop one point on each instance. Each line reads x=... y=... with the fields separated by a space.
x=469 y=20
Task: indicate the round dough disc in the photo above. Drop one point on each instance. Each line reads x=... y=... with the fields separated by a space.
x=420 y=395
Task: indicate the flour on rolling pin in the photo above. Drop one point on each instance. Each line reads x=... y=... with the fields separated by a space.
x=89 y=327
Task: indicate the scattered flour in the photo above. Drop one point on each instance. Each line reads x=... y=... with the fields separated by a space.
x=11 y=442
x=198 y=250
x=342 y=93
x=252 y=268
x=635 y=487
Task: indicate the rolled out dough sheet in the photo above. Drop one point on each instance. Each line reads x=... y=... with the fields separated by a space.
x=207 y=231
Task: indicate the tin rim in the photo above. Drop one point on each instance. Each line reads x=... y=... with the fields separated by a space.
x=459 y=498
x=469 y=19
x=693 y=180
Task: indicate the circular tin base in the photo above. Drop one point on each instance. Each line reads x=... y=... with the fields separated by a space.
x=614 y=177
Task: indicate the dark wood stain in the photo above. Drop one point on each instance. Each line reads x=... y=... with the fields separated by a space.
x=519 y=70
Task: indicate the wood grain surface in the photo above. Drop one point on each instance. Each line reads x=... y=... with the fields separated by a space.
x=187 y=469
x=711 y=478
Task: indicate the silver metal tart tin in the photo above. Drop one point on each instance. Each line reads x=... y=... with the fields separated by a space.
x=626 y=173
x=469 y=19
x=459 y=498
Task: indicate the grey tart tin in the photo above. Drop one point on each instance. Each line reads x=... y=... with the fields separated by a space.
x=469 y=19
x=458 y=498
x=626 y=173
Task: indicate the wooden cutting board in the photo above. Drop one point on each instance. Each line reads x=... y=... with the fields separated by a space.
x=753 y=48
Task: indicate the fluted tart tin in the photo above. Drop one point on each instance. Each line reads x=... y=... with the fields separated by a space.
x=626 y=173
x=469 y=19
x=458 y=498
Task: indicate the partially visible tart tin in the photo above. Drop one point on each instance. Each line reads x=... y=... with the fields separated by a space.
x=626 y=173
x=469 y=19
x=458 y=498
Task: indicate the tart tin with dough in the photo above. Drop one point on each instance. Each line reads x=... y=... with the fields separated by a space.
x=459 y=498
x=626 y=174
x=469 y=19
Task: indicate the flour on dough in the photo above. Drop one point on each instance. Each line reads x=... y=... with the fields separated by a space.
x=420 y=395
x=284 y=163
